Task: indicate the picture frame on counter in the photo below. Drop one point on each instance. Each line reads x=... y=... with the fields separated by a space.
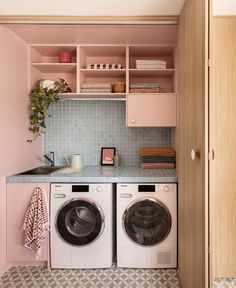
x=107 y=155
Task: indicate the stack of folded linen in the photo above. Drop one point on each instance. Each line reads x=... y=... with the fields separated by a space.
x=153 y=87
x=158 y=157
x=150 y=64
x=96 y=88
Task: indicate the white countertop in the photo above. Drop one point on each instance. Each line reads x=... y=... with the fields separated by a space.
x=109 y=174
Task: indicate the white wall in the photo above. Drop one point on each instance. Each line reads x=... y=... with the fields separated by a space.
x=224 y=7
x=91 y=7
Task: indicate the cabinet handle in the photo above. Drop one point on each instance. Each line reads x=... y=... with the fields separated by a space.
x=133 y=120
x=195 y=154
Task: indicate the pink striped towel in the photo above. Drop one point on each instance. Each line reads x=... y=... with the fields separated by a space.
x=36 y=222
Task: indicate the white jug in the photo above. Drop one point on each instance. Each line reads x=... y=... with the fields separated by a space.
x=77 y=162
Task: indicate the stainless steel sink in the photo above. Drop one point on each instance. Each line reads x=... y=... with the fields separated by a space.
x=43 y=170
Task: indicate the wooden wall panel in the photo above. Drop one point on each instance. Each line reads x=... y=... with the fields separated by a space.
x=223 y=141
x=192 y=47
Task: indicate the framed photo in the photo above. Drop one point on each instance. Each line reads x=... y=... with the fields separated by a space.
x=107 y=155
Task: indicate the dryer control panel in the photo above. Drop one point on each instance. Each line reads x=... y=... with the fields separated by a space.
x=147 y=187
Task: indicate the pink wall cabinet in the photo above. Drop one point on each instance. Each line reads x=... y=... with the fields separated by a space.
x=151 y=110
x=151 y=97
x=18 y=198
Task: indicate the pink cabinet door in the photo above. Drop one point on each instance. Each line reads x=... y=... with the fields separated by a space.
x=151 y=110
x=18 y=198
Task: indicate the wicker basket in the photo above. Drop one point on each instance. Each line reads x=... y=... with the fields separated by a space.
x=119 y=87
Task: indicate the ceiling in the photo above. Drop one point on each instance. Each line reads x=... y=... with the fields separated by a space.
x=92 y=8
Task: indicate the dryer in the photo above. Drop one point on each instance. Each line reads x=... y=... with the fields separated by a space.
x=147 y=225
x=81 y=225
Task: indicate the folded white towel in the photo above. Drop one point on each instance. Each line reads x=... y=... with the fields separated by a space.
x=96 y=85
x=146 y=61
x=36 y=222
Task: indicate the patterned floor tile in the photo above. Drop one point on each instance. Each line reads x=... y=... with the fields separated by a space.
x=39 y=277
x=224 y=283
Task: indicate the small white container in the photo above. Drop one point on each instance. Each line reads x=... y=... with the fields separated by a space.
x=77 y=162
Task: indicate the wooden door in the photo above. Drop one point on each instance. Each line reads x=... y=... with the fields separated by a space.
x=192 y=128
x=223 y=142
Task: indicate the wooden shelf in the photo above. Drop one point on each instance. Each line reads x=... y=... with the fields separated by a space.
x=154 y=51
x=167 y=93
x=93 y=96
x=109 y=73
x=55 y=67
x=149 y=73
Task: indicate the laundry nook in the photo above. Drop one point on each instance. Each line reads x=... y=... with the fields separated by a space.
x=118 y=144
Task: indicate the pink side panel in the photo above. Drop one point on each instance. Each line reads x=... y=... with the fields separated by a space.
x=151 y=110
x=3 y=261
x=15 y=153
x=18 y=198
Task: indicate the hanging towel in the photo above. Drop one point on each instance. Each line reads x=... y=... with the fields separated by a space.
x=36 y=222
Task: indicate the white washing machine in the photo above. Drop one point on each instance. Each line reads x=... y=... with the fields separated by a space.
x=81 y=225
x=147 y=225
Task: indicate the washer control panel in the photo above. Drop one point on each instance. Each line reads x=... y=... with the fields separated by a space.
x=80 y=188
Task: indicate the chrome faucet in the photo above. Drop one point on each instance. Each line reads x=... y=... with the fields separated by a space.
x=51 y=160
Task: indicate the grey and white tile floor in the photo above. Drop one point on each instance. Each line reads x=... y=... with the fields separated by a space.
x=39 y=277
x=224 y=283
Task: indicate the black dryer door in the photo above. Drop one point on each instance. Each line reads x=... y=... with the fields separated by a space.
x=147 y=222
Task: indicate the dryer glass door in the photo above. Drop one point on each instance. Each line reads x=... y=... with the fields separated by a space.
x=80 y=222
x=147 y=222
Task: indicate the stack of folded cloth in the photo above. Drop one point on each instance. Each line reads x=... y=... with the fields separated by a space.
x=150 y=64
x=96 y=88
x=153 y=87
x=157 y=158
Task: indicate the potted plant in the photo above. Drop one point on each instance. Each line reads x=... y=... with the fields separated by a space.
x=44 y=94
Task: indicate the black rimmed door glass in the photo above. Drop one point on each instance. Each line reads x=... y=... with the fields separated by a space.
x=79 y=222
x=147 y=222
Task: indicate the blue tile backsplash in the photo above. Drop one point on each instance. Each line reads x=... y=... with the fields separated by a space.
x=83 y=127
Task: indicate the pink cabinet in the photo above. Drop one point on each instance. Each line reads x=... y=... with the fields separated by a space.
x=151 y=110
x=18 y=197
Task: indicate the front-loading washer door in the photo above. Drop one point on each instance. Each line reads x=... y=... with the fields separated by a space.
x=80 y=222
x=147 y=221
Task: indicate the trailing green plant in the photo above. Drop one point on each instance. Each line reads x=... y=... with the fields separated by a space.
x=41 y=98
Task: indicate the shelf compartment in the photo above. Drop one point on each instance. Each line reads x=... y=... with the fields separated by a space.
x=49 y=53
x=55 y=67
x=153 y=52
x=167 y=84
x=102 y=55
